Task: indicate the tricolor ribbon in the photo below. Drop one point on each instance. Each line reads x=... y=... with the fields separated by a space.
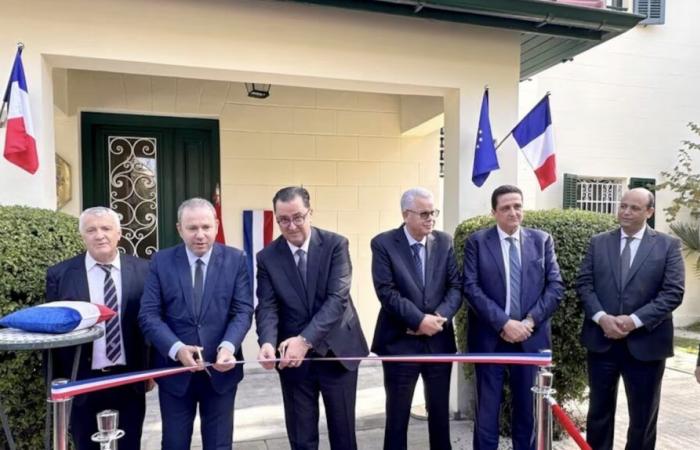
x=65 y=391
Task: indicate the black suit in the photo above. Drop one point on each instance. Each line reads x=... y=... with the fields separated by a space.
x=653 y=289
x=324 y=314
x=405 y=300
x=68 y=281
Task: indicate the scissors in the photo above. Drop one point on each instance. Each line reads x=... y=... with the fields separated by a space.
x=201 y=358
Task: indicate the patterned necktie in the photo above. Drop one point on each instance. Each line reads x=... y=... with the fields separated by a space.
x=418 y=263
x=198 y=289
x=515 y=273
x=625 y=260
x=301 y=265
x=112 y=326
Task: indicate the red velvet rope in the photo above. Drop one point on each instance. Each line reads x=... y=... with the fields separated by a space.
x=568 y=425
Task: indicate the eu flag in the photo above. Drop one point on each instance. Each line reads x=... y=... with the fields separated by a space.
x=484 y=152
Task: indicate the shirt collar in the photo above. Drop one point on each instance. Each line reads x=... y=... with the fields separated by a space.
x=502 y=235
x=638 y=235
x=304 y=246
x=191 y=257
x=411 y=240
x=90 y=262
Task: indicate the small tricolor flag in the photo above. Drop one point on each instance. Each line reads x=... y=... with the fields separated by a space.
x=20 y=142
x=257 y=233
x=535 y=137
x=220 y=237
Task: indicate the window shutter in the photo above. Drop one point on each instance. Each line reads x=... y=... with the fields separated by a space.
x=647 y=183
x=569 y=200
x=654 y=10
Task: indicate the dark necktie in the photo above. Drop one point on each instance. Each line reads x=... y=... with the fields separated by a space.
x=112 y=328
x=418 y=263
x=301 y=265
x=625 y=260
x=198 y=289
x=515 y=273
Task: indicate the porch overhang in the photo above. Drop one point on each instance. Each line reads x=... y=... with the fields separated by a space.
x=551 y=32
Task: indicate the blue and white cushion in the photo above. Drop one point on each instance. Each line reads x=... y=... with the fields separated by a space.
x=57 y=317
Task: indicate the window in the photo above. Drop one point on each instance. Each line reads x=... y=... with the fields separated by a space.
x=600 y=194
x=654 y=10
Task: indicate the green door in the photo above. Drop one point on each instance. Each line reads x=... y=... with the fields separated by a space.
x=143 y=167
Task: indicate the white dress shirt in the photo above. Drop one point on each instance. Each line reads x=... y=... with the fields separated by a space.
x=505 y=253
x=96 y=283
x=422 y=251
x=634 y=246
x=305 y=246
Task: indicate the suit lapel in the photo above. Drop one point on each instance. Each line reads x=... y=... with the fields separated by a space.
x=404 y=249
x=289 y=267
x=645 y=247
x=429 y=260
x=80 y=275
x=212 y=277
x=493 y=243
x=185 y=277
x=313 y=261
x=614 y=255
x=127 y=274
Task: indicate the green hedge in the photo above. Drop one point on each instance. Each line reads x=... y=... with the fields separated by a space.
x=31 y=240
x=571 y=230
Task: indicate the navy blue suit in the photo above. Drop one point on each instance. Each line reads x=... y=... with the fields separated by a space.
x=485 y=290
x=167 y=316
x=405 y=301
x=67 y=280
x=324 y=314
x=653 y=289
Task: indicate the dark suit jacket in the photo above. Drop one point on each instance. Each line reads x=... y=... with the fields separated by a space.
x=67 y=280
x=484 y=287
x=654 y=288
x=405 y=302
x=324 y=314
x=167 y=311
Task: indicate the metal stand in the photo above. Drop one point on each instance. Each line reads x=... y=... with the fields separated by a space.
x=543 y=413
x=108 y=433
x=14 y=340
x=60 y=420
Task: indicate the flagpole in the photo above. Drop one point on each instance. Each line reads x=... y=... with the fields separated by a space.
x=5 y=99
x=511 y=131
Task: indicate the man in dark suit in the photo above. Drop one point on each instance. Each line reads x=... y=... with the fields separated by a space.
x=513 y=286
x=417 y=282
x=305 y=310
x=103 y=276
x=630 y=281
x=697 y=367
x=197 y=298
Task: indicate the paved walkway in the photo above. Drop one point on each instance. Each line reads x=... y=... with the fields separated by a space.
x=259 y=419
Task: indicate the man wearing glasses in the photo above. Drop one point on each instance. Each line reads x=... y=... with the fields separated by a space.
x=305 y=311
x=418 y=284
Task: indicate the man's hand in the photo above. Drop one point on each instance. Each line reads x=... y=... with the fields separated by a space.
x=186 y=356
x=529 y=323
x=292 y=351
x=625 y=323
x=266 y=356
x=697 y=373
x=225 y=360
x=515 y=331
x=611 y=327
x=431 y=325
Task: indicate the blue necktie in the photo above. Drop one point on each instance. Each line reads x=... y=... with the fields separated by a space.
x=198 y=290
x=515 y=272
x=301 y=266
x=112 y=328
x=418 y=263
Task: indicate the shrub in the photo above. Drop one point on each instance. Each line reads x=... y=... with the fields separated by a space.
x=571 y=230
x=31 y=240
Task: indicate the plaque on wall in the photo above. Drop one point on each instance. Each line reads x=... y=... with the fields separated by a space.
x=63 y=183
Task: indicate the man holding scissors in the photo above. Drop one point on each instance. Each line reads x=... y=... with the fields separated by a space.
x=197 y=306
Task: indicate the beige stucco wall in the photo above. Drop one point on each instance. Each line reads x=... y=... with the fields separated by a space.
x=345 y=147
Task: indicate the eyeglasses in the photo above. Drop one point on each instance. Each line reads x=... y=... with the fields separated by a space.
x=425 y=215
x=298 y=220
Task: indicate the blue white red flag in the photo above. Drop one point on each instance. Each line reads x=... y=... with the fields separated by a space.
x=257 y=234
x=535 y=137
x=485 y=159
x=20 y=142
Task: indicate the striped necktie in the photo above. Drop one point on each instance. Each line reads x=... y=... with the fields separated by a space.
x=112 y=326
x=515 y=275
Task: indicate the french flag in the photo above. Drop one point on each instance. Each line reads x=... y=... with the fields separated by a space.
x=535 y=137
x=257 y=234
x=20 y=142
